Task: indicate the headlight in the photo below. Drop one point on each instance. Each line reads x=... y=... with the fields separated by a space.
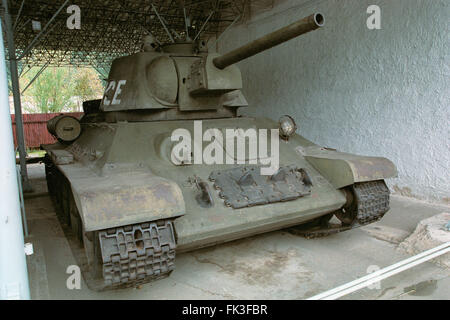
x=287 y=127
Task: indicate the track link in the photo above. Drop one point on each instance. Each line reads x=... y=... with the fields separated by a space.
x=137 y=254
x=371 y=202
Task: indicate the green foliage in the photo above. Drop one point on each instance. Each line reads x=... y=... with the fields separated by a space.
x=87 y=84
x=60 y=89
x=52 y=90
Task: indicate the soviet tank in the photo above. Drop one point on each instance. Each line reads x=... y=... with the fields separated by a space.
x=128 y=202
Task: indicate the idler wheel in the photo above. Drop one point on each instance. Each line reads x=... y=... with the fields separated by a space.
x=347 y=214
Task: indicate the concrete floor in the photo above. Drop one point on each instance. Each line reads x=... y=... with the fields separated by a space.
x=276 y=265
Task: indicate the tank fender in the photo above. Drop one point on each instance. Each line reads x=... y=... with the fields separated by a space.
x=124 y=199
x=344 y=169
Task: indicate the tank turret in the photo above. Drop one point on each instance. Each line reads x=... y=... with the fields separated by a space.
x=179 y=80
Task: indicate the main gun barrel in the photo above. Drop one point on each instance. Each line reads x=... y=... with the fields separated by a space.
x=289 y=32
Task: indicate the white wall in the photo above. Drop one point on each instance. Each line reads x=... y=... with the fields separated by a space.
x=374 y=92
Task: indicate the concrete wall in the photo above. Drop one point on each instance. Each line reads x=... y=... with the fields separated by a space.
x=374 y=92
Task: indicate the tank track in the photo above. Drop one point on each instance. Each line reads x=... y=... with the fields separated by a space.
x=122 y=257
x=371 y=202
x=137 y=254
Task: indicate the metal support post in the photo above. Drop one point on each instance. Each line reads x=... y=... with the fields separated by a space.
x=16 y=95
x=13 y=267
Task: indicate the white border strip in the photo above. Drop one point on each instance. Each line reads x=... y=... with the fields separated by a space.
x=382 y=274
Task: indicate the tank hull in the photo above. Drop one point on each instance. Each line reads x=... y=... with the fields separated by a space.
x=121 y=174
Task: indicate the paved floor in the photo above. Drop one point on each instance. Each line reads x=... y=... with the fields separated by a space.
x=276 y=265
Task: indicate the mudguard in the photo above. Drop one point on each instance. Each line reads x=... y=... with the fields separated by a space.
x=125 y=198
x=344 y=169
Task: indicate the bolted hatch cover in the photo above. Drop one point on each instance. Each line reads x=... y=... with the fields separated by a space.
x=244 y=186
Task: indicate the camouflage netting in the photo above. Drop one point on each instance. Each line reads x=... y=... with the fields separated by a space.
x=111 y=28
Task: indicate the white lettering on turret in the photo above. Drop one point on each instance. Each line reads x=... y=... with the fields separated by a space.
x=111 y=86
x=115 y=99
x=116 y=89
